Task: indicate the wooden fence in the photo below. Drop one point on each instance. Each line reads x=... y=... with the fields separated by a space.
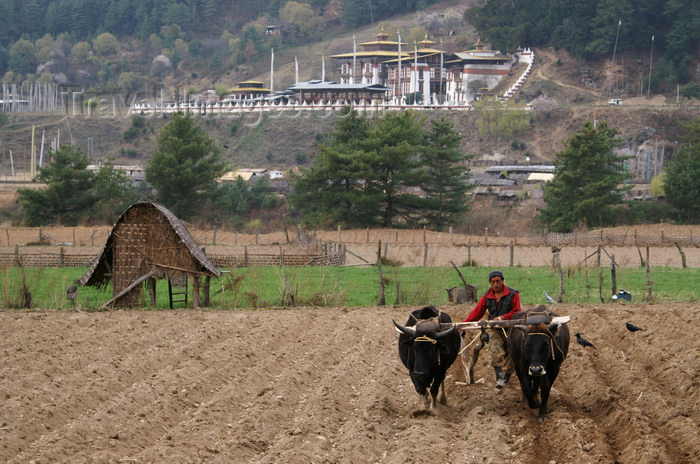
x=62 y=259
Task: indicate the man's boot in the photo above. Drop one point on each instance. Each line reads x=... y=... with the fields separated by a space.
x=500 y=377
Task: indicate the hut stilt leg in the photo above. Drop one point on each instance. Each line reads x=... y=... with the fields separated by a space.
x=207 y=293
x=196 y=301
x=152 y=290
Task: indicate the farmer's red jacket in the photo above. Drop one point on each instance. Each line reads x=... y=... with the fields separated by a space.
x=506 y=307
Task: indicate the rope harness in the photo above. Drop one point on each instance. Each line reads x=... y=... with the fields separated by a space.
x=551 y=345
x=425 y=338
x=470 y=343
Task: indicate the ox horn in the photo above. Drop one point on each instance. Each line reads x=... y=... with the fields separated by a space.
x=445 y=330
x=410 y=331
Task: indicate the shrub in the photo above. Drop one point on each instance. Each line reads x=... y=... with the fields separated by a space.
x=130 y=134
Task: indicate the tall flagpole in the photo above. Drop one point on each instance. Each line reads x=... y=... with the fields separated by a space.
x=272 y=69
x=442 y=66
x=415 y=71
x=354 y=59
x=399 y=89
x=296 y=71
x=651 y=57
x=323 y=68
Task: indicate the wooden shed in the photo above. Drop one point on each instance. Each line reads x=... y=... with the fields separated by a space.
x=148 y=243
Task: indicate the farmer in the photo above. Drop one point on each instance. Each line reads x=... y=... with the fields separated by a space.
x=502 y=302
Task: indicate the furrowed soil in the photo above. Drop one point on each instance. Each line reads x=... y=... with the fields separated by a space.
x=309 y=385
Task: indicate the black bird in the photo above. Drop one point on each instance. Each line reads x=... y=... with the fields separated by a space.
x=583 y=342
x=632 y=328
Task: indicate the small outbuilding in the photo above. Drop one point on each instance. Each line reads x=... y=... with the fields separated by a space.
x=148 y=243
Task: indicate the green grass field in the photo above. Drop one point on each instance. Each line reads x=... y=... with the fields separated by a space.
x=265 y=287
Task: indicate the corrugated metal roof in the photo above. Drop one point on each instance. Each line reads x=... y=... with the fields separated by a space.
x=540 y=176
x=522 y=168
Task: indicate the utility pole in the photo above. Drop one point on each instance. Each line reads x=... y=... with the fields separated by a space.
x=651 y=57
x=619 y=23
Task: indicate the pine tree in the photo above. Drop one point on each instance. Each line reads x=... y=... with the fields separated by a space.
x=447 y=177
x=393 y=149
x=332 y=191
x=184 y=166
x=68 y=195
x=682 y=181
x=588 y=179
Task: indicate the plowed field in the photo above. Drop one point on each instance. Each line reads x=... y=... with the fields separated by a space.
x=326 y=385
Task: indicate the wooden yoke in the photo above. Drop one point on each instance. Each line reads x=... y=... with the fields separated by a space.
x=477 y=325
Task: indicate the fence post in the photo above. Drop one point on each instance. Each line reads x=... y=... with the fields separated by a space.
x=597 y=263
x=424 y=235
x=7 y=232
x=451 y=239
x=649 y=296
x=561 y=278
x=585 y=260
x=338 y=234
x=245 y=255
x=613 y=274
x=257 y=231
x=367 y=238
x=680 y=250
x=382 y=299
x=235 y=237
x=62 y=254
x=213 y=240
x=469 y=252
x=545 y=235
x=16 y=255
x=486 y=234
x=396 y=237
x=425 y=255
x=515 y=239
x=511 y=253
x=73 y=237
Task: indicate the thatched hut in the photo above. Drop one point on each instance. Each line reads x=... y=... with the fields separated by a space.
x=148 y=243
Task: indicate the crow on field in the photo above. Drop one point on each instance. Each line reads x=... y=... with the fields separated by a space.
x=632 y=328
x=583 y=342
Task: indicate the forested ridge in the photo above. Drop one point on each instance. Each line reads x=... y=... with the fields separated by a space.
x=119 y=45
x=598 y=29
x=91 y=43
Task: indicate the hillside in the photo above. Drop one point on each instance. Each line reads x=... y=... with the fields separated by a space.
x=564 y=92
x=284 y=140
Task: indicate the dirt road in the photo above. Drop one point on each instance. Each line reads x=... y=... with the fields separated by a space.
x=326 y=385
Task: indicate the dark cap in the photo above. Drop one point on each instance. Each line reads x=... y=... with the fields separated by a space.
x=495 y=274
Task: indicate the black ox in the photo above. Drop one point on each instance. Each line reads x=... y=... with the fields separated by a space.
x=428 y=345
x=537 y=348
